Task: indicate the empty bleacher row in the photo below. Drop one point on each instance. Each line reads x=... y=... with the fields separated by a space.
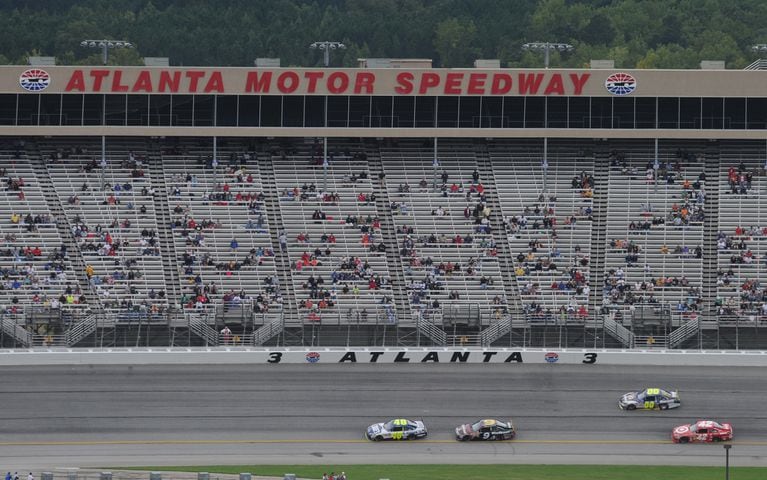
x=329 y=223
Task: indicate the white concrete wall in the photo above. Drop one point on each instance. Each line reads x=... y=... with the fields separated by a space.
x=239 y=355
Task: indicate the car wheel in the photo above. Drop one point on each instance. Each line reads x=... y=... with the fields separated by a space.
x=684 y=440
x=717 y=439
x=377 y=438
x=631 y=407
x=663 y=406
x=462 y=439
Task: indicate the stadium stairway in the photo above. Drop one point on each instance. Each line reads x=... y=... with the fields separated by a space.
x=598 y=232
x=396 y=267
x=511 y=287
x=165 y=235
x=710 y=231
x=282 y=262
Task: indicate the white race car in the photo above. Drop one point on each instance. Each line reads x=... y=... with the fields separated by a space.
x=650 y=399
x=397 y=429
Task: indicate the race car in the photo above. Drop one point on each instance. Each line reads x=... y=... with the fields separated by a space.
x=397 y=429
x=702 y=431
x=486 y=430
x=650 y=399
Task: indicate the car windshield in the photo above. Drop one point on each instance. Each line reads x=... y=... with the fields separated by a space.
x=477 y=426
x=693 y=428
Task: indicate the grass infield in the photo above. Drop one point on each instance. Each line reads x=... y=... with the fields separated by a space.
x=484 y=472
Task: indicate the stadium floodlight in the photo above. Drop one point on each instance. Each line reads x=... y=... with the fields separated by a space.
x=546 y=48
x=105 y=45
x=759 y=47
x=326 y=47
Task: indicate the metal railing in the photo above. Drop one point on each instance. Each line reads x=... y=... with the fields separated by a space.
x=618 y=331
x=11 y=326
x=431 y=330
x=685 y=332
x=199 y=326
x=495 y=331
x=80 y=330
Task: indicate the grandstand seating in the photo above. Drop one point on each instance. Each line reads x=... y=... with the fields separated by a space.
x=333 y=233
x=449 y=251
x=654 y=234
x=33 y=273
x=742 y=252
x=222 y=229
x=548 y=227
x=111 y=214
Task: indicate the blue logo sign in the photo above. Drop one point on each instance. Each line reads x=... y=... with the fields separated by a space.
x=620 y=84
x=34 y=80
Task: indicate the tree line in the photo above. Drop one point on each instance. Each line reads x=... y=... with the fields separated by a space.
x=634 y=33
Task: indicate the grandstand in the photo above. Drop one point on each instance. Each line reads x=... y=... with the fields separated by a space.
x=269 y=217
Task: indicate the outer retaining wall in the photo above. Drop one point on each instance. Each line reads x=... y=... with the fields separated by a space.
x=308 y=356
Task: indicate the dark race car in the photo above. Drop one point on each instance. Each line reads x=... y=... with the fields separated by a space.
x=486 y=430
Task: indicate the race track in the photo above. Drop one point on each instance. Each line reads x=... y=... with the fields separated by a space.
x=242 y=414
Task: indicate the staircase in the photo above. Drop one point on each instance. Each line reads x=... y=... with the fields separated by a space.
x=53 y=201
x=270 y=329
x=80 y=330
x=393 y=258
x=495 y=331
x=710 y=232
x=16 y=331
x=598 y=232
x=432 y=331
x=689 y=329
x=622 y=334
x=281 y=259
x=163 y=220
x=510 y=286
x=199 y=326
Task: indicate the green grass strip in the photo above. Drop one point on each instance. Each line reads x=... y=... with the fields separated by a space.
x=484 y=472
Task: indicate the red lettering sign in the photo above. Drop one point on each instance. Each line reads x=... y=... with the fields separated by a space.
x=287 y=82
x=364 y=81
x=98 y=77
x=313 y=77
x=254 y=84
x=76 y=82
x=476 y=84
x=338 y=82
x=168 y=82
x=194 y=77
x=453 y=83
x=404 y=83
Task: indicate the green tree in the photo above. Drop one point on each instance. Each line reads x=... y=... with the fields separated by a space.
x=454 y=42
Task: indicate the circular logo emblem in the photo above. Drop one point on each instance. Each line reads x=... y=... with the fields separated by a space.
x=551 y=357
x=313 y=357
x=620 y=84
x=34 y=80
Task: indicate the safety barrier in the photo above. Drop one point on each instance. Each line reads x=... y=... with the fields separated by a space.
x=382 y=355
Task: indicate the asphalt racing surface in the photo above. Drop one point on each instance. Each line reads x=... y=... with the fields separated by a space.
x=101 y=416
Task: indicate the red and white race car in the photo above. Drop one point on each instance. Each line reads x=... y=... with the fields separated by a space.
x=702 y=431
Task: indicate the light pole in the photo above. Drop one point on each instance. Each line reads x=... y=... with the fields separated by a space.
x=727 y=448
x=326 y=47
x=105 y=45
x=547 y=47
